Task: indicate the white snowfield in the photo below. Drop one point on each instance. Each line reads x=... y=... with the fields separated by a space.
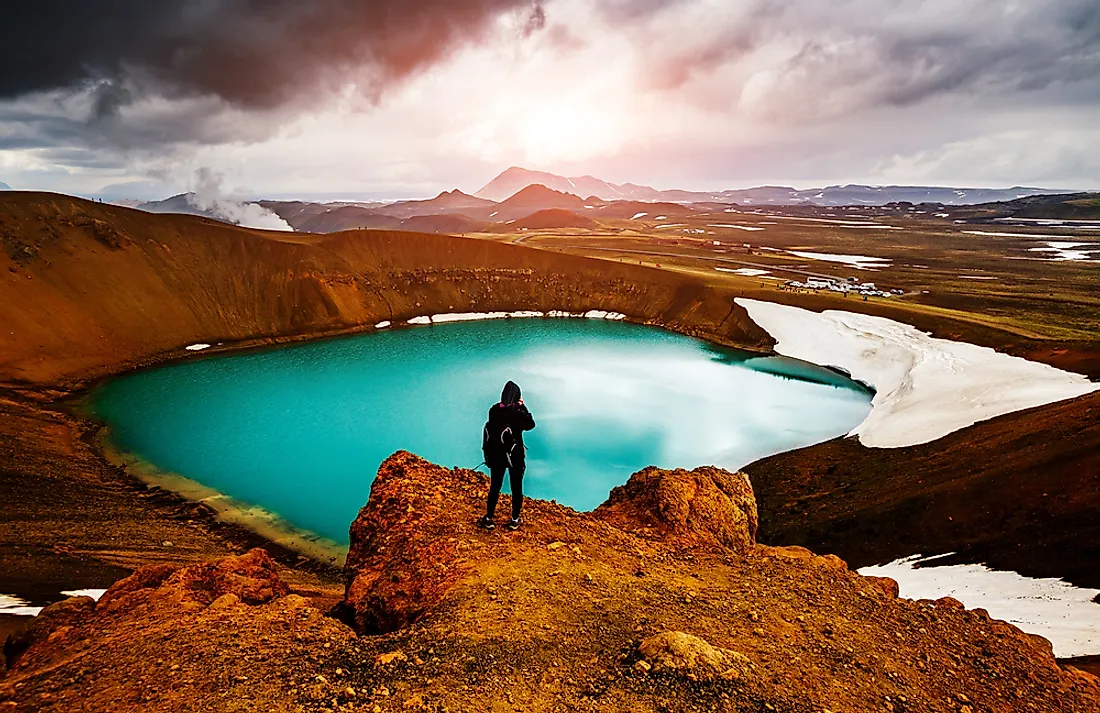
x=925 y=387
x=197 y=347
x=1063 y=614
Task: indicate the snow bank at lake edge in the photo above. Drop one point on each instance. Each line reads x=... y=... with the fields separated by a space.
x=1064 y=614
x=522 y=314
x=925 y=388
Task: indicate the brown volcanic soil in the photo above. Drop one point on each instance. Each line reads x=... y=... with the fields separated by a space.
x=1018 y=492
x=570 y=613
x=88 y=289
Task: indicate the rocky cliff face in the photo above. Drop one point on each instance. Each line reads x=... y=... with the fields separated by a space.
x=657 y=601
x=405 y=555
x=705 y=507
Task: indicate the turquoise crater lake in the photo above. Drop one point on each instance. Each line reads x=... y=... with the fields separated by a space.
x=300 y=430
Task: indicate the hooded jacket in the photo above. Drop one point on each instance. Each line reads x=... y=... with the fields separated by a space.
x=509 y=413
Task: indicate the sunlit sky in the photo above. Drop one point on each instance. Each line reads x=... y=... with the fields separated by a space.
x=403 y=99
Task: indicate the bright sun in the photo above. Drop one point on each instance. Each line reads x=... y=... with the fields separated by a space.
x=562 y=132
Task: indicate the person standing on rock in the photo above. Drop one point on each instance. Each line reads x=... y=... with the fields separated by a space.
x=502 y=444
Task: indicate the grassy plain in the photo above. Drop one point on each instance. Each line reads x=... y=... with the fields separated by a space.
x=942 y=266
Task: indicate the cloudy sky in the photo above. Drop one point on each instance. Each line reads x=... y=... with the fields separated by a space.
x=396 y=98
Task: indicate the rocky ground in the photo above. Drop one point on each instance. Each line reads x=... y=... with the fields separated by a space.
x=660 y=600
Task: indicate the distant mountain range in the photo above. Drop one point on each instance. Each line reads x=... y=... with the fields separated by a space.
x=515 y=179
x=4 y=186
x=535 y=206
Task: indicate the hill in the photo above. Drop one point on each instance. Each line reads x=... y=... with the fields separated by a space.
x=531 y=199
x=89 y=288
x=247 y=213
x=449 y=202
x=4 y=186
x=182 y=204
x=1070 y=206
x=553 y=218
x=295 y=213
x=515 y=179
x=443 y=224
x=333 y=220
x=626 y=210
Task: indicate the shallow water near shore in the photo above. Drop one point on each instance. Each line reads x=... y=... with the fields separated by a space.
x=300 y=430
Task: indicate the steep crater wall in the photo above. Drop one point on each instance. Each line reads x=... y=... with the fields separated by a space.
x=77 y=305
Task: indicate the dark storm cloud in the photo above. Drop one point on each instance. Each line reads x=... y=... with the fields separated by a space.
x=249 y=53
x=74 y=68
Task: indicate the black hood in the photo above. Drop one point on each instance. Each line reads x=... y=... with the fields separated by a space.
x=511 y=394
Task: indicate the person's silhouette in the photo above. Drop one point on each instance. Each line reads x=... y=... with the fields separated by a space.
x=502 y=444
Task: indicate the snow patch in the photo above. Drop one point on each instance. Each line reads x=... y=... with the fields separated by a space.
x=383 y=325
x=1069 y=252
x=1005 y=235
x=14 y=606
x=1054 y=609
x=466 y=317
x=858 y=261
x=93 y=593
x=197 y=347
x=925 y=388
x=519 y=314
x=600 y=314
x=746 y=271
x=639 y=215
x=738 y=227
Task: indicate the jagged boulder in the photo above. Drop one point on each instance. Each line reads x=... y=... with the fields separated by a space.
x=252 y=578
x=705 y=507
x=691 y=656
x=404 y=555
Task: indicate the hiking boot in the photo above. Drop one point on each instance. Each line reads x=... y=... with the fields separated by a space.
x=513 y=524
x=486 y=523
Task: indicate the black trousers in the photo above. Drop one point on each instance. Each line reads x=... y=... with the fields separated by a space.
x=496 y=482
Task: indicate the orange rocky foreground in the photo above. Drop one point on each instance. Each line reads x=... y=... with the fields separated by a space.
x=657 y=601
